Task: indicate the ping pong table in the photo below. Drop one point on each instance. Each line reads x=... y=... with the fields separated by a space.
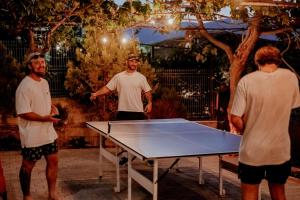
x=159 y=139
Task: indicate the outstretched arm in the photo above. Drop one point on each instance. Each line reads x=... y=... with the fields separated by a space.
x=148 y=107
x=102 y=91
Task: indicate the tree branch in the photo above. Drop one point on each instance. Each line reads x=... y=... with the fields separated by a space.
x=76 y=5
x=277 y=31
x=209 y=37
x=288 y=46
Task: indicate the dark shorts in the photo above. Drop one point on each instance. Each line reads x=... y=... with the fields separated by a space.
x=35 y=153
x=123 y=115
x=272 y=173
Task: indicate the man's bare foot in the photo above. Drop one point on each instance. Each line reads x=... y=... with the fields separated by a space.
x=28 y=197
x=53 y=197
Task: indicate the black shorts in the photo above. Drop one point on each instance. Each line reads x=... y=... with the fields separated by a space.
x=124 y=115
x=272 y=173
x=35 y=153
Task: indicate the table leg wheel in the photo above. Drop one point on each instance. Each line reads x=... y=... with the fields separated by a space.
x=223 y=193
x=116 y=189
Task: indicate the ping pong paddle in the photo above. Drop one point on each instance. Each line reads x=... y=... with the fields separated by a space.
x=57 y=116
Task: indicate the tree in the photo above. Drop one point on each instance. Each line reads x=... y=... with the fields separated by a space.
x=61 y=21
x=25 y=18
x=260 y=20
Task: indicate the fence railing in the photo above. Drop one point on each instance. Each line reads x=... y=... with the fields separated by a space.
x=196 y=89
x=57 y=70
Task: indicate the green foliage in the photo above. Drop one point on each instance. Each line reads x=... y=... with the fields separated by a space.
x=63 y=116
x=60 y=21
x=27 y=13
x=10 y=76
x=167 y=104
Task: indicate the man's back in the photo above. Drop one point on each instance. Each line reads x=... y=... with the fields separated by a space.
x=269 y=96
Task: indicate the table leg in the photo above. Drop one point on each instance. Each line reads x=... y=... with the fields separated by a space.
x=118 y=187
x=129 y=177
x=200 y=181
x=155 y=178
x=221 y=189
x=100 y=169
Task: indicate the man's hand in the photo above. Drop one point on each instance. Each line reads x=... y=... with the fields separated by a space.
x=102 y=91
x=53 y=119
x=148 y=108
x=93 y=96
x=54 y=110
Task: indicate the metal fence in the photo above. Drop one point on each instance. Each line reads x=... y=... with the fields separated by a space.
x=194 y=86
x=57 y=60
x=16 y=48
x=57 y=63
x=196 y=89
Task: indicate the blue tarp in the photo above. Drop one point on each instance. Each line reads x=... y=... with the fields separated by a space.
x=152 y=36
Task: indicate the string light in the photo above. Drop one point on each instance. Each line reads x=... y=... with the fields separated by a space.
x=58 y=47
x=104 y=40
x=124 y=40
x=152 y=21
x=170 y=21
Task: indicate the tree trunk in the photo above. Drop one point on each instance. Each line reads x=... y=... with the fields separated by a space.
x=32 y=45
x=240 y=57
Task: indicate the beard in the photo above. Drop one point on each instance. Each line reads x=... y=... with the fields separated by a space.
x=39 y=74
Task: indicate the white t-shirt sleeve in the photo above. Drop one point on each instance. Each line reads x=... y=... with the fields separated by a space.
x=146 y=87
x=112 y=84
x=239 y=101
x=296 y=95
x=23 y=101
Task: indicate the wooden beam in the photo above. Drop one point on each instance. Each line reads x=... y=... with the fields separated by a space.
x=270 y=3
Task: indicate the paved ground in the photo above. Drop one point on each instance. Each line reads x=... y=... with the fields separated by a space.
x=78 y=172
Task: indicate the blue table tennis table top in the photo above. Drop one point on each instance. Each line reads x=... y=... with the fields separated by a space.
x=167 y=138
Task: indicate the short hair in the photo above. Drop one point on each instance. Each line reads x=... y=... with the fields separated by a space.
x=267 y=55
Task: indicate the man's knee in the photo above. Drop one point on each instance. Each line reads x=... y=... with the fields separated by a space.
x=27 y=165
x=250 y=191
x=52 y=160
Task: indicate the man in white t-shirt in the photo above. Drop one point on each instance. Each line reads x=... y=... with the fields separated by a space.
x=260 y=112
x=35 y=120
x=130 y=86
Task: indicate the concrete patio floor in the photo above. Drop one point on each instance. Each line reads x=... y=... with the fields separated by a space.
x=78 y=179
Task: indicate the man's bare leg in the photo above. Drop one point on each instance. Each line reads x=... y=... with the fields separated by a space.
x=51 y=174
x=3 y=193
x=25 y=177
x=277 y=191
x=250 y=191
